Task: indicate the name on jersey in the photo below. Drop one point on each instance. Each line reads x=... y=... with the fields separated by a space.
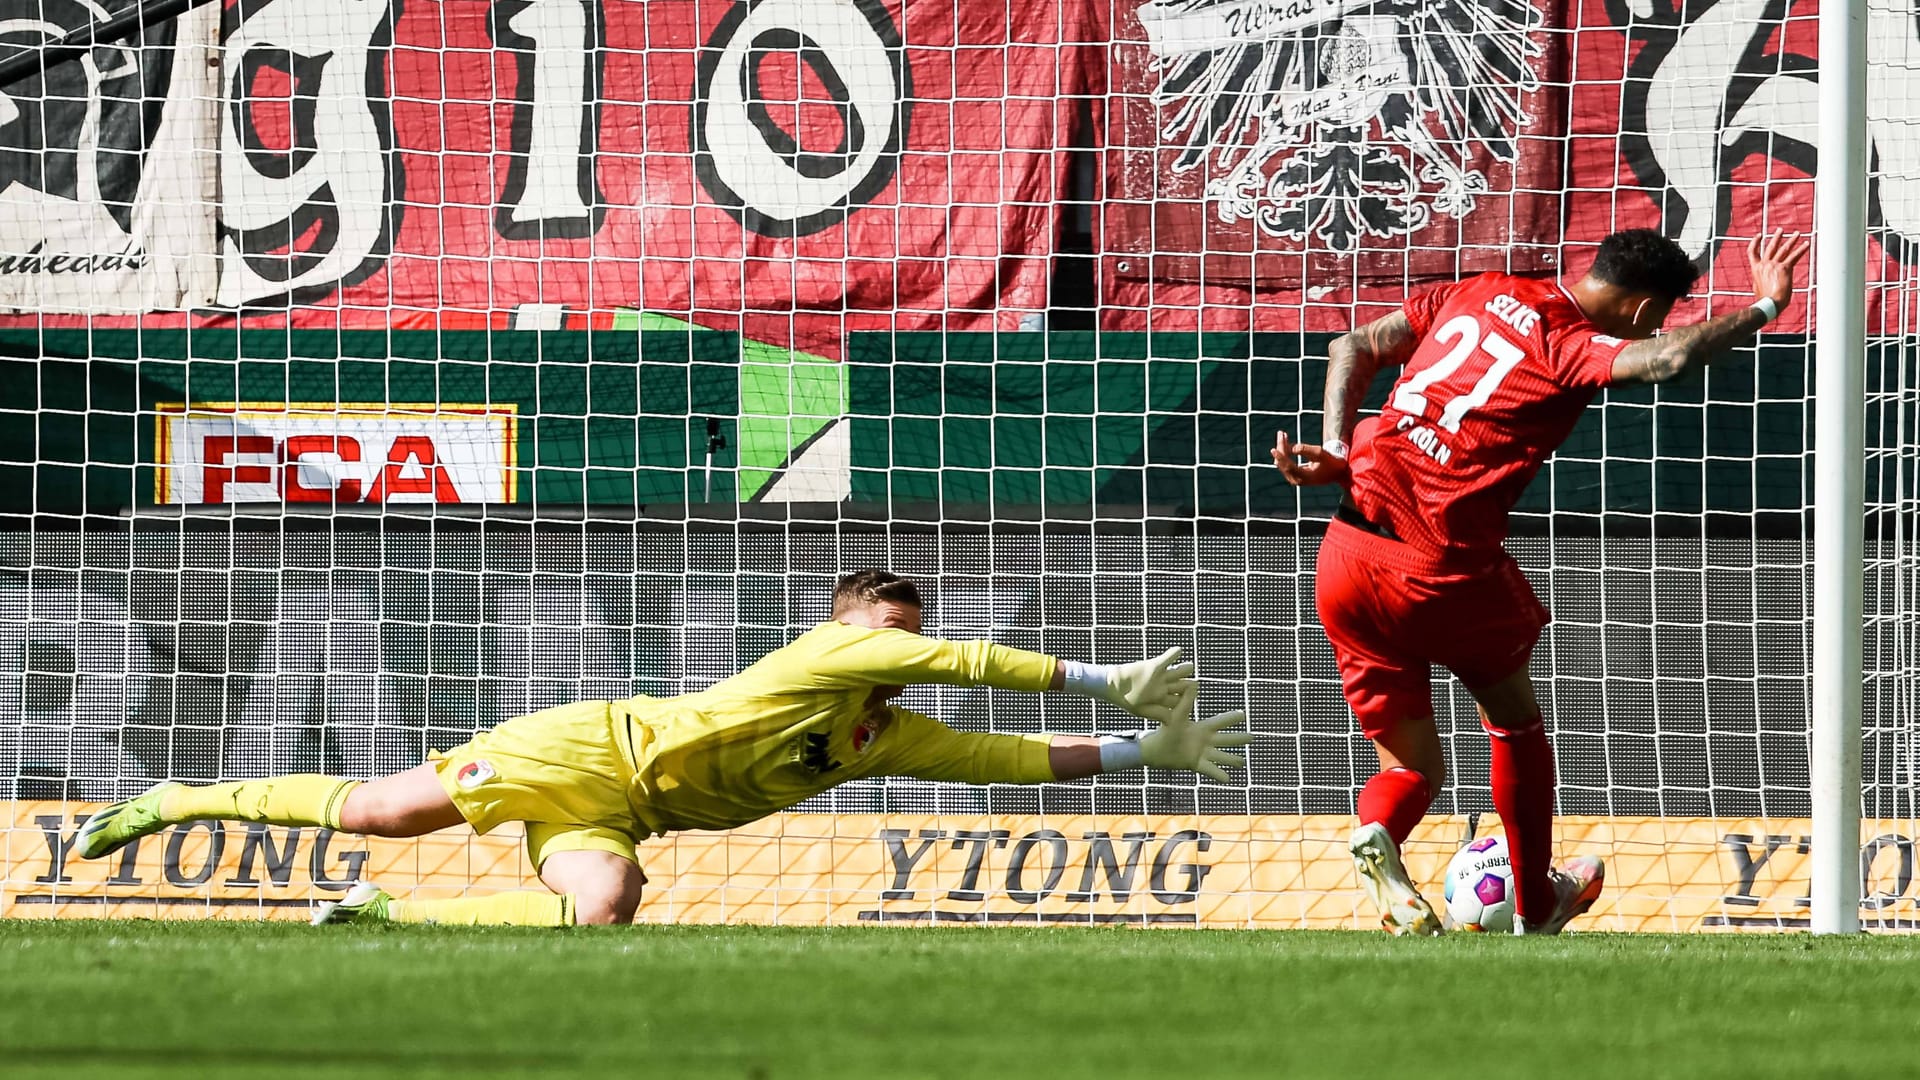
x=1514 y=313
x=1427 y=439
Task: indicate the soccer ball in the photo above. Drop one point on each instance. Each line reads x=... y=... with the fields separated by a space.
x=1479 y=887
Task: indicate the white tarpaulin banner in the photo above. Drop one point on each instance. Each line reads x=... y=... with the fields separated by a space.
x=107 y=202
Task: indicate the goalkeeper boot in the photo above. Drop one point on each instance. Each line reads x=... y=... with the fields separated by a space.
x=116 y=825
x=1576 y=885
x=364 y=903
x=1403 y=910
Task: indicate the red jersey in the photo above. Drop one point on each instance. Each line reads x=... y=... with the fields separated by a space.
x=1504 y=368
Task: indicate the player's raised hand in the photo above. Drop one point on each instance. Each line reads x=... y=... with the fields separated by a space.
x=1772 y=259
x=1181 y=742
x=1150 y=689
x=1307 y=465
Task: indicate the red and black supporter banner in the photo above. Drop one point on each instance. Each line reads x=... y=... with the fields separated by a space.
x=1306 y=163
x=870 y=164
x=1280 y=143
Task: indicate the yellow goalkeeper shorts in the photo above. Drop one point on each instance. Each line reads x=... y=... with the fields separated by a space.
x=559 y=770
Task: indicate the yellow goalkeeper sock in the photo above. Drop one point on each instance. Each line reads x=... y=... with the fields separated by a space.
x=302 y=799
x=524 y=908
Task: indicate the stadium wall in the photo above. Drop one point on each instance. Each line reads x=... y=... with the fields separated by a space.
x=1673 y=673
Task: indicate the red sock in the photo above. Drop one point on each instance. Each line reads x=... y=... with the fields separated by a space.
x=1396 y=798
x=1523 y=794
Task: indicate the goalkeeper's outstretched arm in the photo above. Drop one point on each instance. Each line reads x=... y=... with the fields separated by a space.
x=930 y=750
x=875 y=640
x=900 y=656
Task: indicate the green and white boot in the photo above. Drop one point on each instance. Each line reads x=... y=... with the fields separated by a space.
x=116 y=825
x=364 y=903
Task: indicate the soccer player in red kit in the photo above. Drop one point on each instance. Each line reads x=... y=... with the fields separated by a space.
x=1412 y=572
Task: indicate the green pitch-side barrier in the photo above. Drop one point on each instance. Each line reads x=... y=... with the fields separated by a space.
x=1005 y=425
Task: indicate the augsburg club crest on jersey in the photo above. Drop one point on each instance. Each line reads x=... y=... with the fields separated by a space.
x=1341 y=118
x=870 y=727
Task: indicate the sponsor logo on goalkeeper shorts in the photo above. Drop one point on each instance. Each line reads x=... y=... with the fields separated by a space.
x=474 y=773
x=320 y=452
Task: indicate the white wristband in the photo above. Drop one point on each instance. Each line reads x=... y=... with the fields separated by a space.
x=1335 y=447
x=1767 y=308
x=1119 y=753
x=1088 y=679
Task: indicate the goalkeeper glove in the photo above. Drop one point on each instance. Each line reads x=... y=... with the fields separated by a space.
x=1181 y=743
x=1149 y=689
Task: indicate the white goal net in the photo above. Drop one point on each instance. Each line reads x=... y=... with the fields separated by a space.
x=375 y=372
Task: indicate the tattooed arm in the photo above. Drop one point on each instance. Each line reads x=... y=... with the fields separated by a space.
x=1669 y=356
x=1353 y=360
x=1772 y=259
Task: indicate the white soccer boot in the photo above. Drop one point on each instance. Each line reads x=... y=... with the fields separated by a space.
x=1403 y=910
x=1576 y=885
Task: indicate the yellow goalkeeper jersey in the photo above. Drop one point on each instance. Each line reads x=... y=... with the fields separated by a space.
x=800 y=721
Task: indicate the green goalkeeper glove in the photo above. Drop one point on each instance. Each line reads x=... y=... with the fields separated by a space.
x=1181 y=743
x=1149 y=689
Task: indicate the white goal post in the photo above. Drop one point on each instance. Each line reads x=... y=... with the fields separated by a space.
x=1839 y=503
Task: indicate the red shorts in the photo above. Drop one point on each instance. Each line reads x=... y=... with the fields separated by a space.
x=1391 y=614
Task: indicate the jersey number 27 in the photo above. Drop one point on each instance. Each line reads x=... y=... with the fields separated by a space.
x=1465 y=333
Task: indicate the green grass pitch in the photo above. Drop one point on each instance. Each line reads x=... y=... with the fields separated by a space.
x=85 y=999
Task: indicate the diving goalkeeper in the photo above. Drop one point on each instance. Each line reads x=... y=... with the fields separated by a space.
x=592 y=779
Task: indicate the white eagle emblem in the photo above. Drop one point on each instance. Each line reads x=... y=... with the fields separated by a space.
x=1379 y=106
